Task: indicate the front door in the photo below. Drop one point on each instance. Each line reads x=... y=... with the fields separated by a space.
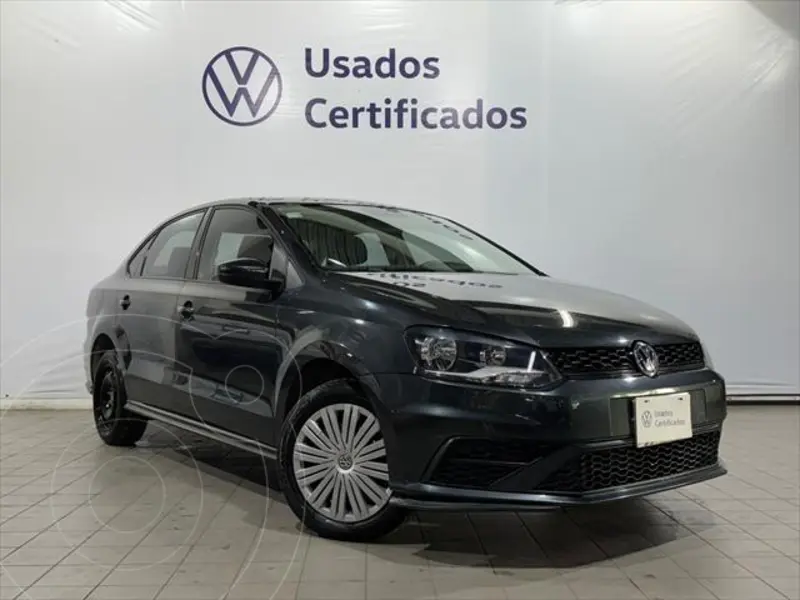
x=226 y=334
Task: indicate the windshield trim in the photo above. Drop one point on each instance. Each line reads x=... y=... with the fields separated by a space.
x=279 y=212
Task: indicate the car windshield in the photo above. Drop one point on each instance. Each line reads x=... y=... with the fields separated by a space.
x=356 y=237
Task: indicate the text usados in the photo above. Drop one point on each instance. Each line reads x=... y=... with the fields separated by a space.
x=400 y=113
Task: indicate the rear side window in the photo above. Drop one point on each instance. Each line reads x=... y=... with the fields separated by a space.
x=137 y=262
x=169 y=253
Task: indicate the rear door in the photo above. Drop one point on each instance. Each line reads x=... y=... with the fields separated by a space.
x=146 y=322
x=226 y=336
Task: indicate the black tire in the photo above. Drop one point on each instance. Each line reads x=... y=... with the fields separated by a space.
x=115 y=425
x=386 y=520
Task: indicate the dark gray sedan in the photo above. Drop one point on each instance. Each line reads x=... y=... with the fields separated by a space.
x=390 y=359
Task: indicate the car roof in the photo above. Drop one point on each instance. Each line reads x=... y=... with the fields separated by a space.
x=267 y=201
x=296 y=200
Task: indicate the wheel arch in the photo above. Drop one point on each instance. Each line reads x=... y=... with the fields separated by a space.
x=318 y=363
x=102 y=343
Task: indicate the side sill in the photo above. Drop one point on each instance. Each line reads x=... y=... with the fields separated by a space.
x=208 y=431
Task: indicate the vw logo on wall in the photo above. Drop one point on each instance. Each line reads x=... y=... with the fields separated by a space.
x=242 y=86
x=646 y=358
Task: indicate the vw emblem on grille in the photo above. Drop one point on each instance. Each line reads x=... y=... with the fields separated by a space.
x=646 y=358
x=647 y=418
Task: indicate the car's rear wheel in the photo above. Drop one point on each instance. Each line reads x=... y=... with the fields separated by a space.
x=115 y=425
x=334 y=469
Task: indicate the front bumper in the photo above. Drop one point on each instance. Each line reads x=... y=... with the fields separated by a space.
x=438 y=498
x=455 y=446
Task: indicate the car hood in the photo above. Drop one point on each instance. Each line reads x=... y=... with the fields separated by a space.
x=532 y=303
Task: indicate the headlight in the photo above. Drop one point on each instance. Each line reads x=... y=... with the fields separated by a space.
x=461 y=356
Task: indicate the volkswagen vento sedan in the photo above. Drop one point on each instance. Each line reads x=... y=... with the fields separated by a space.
x=390 y=359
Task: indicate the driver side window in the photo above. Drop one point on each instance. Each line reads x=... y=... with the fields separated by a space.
x=233 y=233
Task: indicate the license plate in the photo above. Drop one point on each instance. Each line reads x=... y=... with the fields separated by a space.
x=662 y=419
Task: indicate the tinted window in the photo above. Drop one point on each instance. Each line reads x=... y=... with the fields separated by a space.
x=375 y=238
x=233 y=233
x=169 y=253
x=136 y=263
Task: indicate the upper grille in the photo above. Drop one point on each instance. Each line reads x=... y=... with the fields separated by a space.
x=625 y=466
x=477 y=463
x=611 y=362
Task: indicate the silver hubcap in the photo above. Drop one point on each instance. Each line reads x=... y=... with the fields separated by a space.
x=340 y=463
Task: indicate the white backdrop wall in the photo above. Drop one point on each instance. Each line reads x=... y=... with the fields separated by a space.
x=659 y=159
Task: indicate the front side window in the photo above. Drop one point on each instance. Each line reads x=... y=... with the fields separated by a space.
x=233 y=233
x=373 y=238
x=169 y=253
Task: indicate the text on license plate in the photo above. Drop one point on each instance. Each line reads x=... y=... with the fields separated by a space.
x=662 y=419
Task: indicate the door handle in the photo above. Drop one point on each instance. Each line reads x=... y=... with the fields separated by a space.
x=125 y=302
x=186 y=310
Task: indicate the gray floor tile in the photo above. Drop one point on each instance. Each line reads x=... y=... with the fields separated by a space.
x=605 y=589
x=596 y=572
x=223 y=553
x=788 y=586
x=400 y=590
x=734 y=538
x=263 y=591
x=319 y=549
x=672 y=589
x=254 y=573
x=345 y=590
x=777 y=531
x=712 y=567
x=102 y=556
x=198 y=574
x=658 y=568
x=741 y=548
x=480 y=584
x=21 y=576
x=39 y=592
x=36 y=556
x=193 y=592
x=788 y=547
x=58 y=539
x=389 y=571
x=136 y=575
x=741 y=589
x=552 y=590
x=335 y=569
x=15 y=539
x=771 y=566
x=105 y=537
x=124 y=592
x=9 y=592
x=153 y=555
x=74 y=575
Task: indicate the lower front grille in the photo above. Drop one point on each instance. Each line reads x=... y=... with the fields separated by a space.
x=615 y=467
x=478 y=463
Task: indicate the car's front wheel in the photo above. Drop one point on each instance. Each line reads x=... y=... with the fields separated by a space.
x=333 y=465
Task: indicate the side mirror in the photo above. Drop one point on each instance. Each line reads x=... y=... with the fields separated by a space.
x=248 y=272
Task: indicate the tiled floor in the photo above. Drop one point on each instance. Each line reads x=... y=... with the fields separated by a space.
x=179 y=518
